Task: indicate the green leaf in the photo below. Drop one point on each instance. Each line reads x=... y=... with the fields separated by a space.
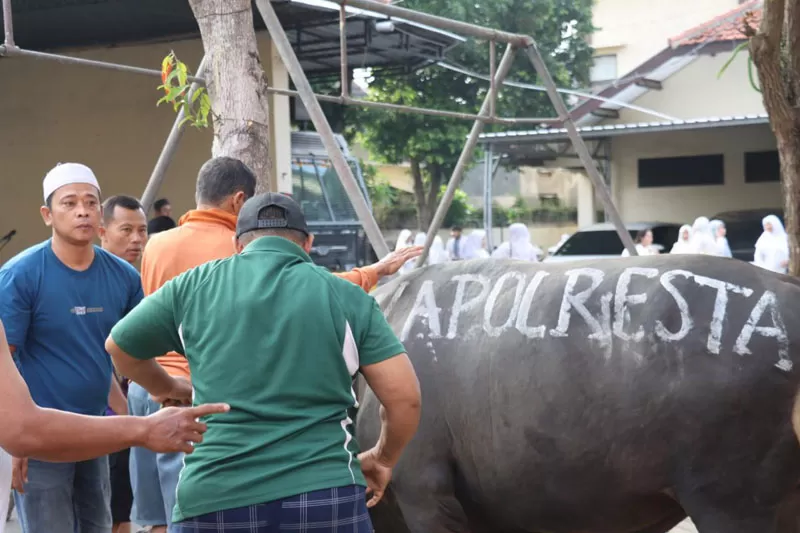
x=183 y=73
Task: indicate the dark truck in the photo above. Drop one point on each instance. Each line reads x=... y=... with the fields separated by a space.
x=340 y=242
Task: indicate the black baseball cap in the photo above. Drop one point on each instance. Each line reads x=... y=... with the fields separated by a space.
x=293 y=217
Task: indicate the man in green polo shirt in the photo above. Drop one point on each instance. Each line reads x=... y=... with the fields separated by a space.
x=279 y=340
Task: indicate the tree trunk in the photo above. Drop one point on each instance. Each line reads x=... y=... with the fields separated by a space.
x=776 y=57
x=423 y=215
x=426 y=198
x=237 y=85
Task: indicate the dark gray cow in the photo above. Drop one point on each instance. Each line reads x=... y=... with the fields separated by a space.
x=603 y=396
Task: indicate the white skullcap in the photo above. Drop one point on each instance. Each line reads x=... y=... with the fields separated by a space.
x=68 y=174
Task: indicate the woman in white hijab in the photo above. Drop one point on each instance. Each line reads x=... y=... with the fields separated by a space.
x=772 y=248
x=419 y=240
x=474 y=247
x=518 y=245
x=644 y=244
x=683 y=244
x=719 y=230
x=437 y=254
x=703 y=241
x=403 y=240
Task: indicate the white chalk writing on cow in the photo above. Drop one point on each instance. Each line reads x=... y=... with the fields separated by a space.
x=508 y=301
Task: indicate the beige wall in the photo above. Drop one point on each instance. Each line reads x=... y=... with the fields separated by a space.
x=684 y=204
x=696 y=91
x=52 y=112
x=637 y=30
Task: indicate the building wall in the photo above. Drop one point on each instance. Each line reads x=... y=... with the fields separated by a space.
x=51 y=112
x=698 y=91
x=636 y=31
x=684 y=204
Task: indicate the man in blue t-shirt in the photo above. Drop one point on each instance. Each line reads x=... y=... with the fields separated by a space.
x=59 y=300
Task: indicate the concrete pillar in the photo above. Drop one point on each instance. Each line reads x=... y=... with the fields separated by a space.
x=280 y=124
x=586 y=201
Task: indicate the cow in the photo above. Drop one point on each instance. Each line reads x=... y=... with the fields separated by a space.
x=610 y=396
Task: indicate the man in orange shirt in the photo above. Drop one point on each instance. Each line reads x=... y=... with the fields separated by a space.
x=203 y=234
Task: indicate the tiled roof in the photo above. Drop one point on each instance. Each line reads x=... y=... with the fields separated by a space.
x=726 y=27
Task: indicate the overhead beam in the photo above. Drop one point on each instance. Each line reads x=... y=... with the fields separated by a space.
x=466 y=154
x=649 y=84
x=602 y=112
x=601 y=189
x=340 y=164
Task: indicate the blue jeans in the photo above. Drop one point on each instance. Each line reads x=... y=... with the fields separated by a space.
x=66 y=497
x=154 y=476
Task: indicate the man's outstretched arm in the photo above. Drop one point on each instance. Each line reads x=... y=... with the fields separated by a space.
x=368 y=276
x=30 y=431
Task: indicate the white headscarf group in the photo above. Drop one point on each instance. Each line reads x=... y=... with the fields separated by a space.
x=772 y=247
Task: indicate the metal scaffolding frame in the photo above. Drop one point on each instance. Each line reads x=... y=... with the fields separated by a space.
x=304 y=92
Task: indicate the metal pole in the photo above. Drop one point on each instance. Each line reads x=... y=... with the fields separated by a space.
x=8 y=24
x=492 y=68
x=343 y=50
x=14 y=51
x=344 y=171
x=170 y=147
x=462 y=28
x=487 y=196
x=466 y=155
x=589 y=164
x=421 y=110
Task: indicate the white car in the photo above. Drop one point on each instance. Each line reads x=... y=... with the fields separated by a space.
x=600 y=241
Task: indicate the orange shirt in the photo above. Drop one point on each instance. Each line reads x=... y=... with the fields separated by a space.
x=202 y=236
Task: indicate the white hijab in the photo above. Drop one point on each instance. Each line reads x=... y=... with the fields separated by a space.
x=518 y=245
x=473 y=245
x=703 y=241
x=772 y=248
x=722 y=242
x=419 y=240
x=437 y=254
x=683 y=245
x=402 y=240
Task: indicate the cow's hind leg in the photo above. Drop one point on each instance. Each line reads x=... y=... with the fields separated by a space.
x=427 y=498
x=731 y=517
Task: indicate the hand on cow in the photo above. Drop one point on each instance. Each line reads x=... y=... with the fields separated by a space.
x=391 y=263
x=377 y=473
x=174 y=429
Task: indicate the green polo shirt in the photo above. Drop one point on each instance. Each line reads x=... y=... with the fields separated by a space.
x=279 y=339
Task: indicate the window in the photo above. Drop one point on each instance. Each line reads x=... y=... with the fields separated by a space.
x=603 y=69
x=762 y=167
x=681 y=171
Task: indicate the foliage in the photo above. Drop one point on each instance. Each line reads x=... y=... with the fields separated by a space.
x=460 y=212
x=175 y=84
x=560 y=27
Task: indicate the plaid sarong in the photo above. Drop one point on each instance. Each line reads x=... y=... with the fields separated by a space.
x=337 y=510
